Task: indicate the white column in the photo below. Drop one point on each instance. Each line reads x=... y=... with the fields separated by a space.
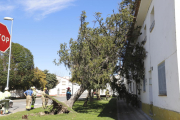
x=177 y=24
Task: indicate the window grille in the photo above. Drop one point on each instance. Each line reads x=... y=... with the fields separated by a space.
x=152 y=20
x=63 y=90
x=63 y=82
x=152 y=26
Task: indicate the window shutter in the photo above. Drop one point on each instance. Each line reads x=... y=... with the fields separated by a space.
x=162 y=79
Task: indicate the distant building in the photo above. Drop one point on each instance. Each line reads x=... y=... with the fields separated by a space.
x=103 y=91
x=120 y=79
x=61 y=88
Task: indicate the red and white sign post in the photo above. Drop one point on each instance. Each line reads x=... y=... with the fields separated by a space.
x=5 y=39
x=5 y=43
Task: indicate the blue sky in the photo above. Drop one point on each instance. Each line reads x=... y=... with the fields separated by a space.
x=42 y=25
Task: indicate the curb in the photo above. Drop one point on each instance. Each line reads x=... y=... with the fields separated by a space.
x=149 y=118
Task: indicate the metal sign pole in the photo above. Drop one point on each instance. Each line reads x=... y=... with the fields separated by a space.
x=9 y=58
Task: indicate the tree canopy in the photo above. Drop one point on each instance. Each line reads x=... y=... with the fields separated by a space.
x=39 y=79
x=51 y=79
x=23 y=75
x=22 y=65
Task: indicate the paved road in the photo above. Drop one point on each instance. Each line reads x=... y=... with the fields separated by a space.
x=20 y=105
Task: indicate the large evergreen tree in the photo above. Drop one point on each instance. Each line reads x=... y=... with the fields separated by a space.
x=94 y=55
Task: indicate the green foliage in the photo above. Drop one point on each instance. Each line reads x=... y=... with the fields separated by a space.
x=51 y=80
x=133 y=55
x=131 y=64
x=93 y=56
x=39 y=79
x=22 y=66
x=22 y=73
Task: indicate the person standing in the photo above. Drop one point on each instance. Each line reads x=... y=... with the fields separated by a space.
x=68 y=93
x=33 y=97
x=28 y=94
x=7 y=94
x=2 y=103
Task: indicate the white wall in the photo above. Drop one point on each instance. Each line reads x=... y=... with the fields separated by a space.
x=103 y=91
x=177 y=23
x=61 y=88
x=17 y=93
x=161 y=46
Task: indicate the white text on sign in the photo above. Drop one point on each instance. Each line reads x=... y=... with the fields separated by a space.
x=4 y=38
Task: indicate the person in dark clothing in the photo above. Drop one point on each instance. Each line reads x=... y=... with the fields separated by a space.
x=68 y=93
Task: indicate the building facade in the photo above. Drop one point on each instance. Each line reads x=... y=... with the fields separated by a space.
x=160 y=28
x=61 y=88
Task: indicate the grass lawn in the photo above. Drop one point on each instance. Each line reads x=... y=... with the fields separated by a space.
x=96 y=110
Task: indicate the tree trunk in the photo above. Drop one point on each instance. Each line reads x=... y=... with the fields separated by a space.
x=73 y=99
x=86 y=101
x=90 y=95
x=98 y=94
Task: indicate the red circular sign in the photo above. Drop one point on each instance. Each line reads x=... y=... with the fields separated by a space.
x=4 y=38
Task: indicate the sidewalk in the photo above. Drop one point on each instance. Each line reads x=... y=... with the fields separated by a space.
x=125 y=112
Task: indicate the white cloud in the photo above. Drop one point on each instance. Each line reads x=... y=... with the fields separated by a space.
x=38 y=9
x=41 y=8
x=6 y=7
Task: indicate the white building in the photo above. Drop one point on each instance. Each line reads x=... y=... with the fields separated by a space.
x=160 y=90
x=60 y=89
x=103 y=91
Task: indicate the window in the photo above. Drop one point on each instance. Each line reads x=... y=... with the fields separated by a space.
x=63 y=82
x=152 y=21
x=63 y=90
x=162 y=79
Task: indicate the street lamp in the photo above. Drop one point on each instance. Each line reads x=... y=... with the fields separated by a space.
x=11 y=19
x=8 y=18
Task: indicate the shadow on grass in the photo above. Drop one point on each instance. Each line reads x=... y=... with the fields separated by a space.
x=110 y=110
x=101 y=108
